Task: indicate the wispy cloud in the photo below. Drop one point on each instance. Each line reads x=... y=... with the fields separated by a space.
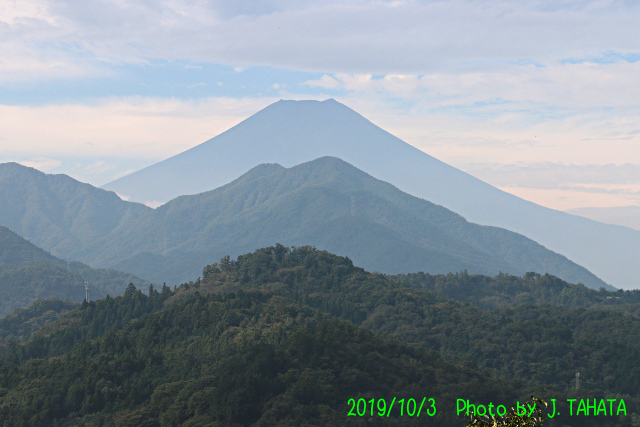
x=410 y=37
x=41 y=163
x=559 y=175
x=576 y=86
x=565 y=186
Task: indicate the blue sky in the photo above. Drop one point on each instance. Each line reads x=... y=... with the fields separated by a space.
x=540 y=98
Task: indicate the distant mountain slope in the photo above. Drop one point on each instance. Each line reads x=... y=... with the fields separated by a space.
x=293 y=132
x=327 y=203
x=16 y=250
x=56 y=212
x=28 y=273
x=627 y=216
x=508 y=290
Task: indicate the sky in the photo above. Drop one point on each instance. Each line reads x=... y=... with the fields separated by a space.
x=539 y=98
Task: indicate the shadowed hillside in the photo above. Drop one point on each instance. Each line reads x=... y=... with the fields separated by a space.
x=28 y=273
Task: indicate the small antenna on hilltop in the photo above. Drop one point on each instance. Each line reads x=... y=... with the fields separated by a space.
x=68 y=262
x=86 y=291
x=577 y=380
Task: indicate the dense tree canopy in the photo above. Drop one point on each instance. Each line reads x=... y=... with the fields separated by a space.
x=286 y=336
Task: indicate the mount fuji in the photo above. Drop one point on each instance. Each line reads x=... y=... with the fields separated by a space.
x=293 y=132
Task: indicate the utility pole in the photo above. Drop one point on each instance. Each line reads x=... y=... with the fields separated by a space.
x=86 y=291
x=577 y=380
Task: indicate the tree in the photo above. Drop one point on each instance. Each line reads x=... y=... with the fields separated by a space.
x=516 y=416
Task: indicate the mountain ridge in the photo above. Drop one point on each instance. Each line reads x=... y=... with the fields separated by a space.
x=56 y=212
x=28 y=272
x=330 y=204
x=293 y=132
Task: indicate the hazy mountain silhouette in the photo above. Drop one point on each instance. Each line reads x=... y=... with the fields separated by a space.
x=327 y=203
x=292 y=132
x=57 y=212
x=627 y=216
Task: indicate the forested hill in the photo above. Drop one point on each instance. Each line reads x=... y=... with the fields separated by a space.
x=265 y=340
x=28 y=273
x=56 y=212
x=508 y=290
x=537 y=345
x=16 y=250
x=21 y=323
x=249 y=358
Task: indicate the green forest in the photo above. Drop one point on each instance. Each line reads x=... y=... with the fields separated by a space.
x=286 y=336
x=28 y=272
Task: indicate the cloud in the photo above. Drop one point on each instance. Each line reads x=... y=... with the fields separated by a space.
x=383 y=37
x=153 y=204
x=562 y=199
x=41 y=163
x=130 y=127
x=586 y=177
x=564 y=186
x=515 y=87
x=325 y=82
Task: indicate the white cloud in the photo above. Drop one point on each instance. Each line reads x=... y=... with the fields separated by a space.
x=15 y=12
x=153 y=203
x=41 y=163
x=325 y=82
x=565 y=199
x=411 y=37
x=581 y=86
x=605 y=177
x=564 y=186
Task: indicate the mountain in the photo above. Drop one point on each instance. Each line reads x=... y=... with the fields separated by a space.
x=28 y=273
x=57 y=212
x=533 y=344
x=16 y=250
x=250 y=358
x=327 y=203
x=627 y=216
x=293 y=132
x=508 y=290
x=287 y=336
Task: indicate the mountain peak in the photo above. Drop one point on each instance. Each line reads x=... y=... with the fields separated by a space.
x=14 y=167
x=308 y=112
x=286 y=132
x=326 y=203
x=294 y=132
